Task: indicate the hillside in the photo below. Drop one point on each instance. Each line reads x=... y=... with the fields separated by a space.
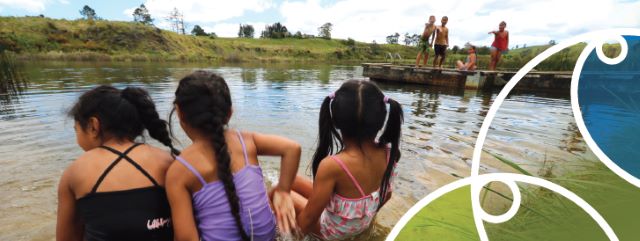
x=40 y=38
x=45 y=38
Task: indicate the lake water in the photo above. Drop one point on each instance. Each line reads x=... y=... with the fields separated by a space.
x=37 y=140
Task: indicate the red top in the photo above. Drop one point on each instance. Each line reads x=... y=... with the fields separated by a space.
x=500 y=42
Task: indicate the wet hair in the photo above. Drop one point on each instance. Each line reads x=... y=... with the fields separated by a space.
x=358 y=110
x=204 y=100
x=123 y=114
x=503 y=22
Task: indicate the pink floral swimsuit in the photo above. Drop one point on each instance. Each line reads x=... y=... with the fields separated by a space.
x=346 y=217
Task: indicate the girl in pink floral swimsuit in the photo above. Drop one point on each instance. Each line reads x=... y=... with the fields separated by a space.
x=352 y=170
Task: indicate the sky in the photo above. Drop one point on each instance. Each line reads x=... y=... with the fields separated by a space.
x=530 y=22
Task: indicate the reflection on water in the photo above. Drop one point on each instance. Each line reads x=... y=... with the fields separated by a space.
x=441 y=127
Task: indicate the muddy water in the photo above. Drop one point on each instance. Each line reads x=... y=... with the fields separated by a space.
x=37 y=139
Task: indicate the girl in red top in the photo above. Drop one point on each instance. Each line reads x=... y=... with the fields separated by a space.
x=500 y=44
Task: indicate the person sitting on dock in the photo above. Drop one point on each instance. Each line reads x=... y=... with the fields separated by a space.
x=470 y=63
x=500 y=44
x=426 y=40
x=442 y=41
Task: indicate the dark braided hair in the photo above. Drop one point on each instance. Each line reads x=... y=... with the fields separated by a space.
x=358 y=110
x=156 y=127
x=204 y=100
x=122 y=114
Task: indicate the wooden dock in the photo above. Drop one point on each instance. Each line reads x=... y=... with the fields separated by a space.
x=479 y=79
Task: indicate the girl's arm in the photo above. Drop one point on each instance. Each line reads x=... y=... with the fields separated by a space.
x=68 y=226
x=290 y=152
x=323 y=188
x=433 y=37
x=507 y=40
x=184 y=225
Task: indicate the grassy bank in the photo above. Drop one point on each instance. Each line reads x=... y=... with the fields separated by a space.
x=54 y=39
x=39 y=38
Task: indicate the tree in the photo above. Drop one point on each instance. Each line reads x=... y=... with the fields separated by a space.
x=455 y=49
x=416 y=39
x=276 y=30
x=198 y=31
x=246 y=31
x=177 y=21
x=407 y=39
x=552 y=42
x=393 y=39
x=324 y=31
x=88 y=13
x=141 y=15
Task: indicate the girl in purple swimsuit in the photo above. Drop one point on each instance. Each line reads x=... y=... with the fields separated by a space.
x=216 y=188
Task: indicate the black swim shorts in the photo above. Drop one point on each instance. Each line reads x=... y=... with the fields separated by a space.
x=440 y=49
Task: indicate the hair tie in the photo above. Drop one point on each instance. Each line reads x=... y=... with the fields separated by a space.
x=332 y=95
x=386 y=99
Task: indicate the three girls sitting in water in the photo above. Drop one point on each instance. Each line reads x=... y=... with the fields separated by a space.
x=123 y=190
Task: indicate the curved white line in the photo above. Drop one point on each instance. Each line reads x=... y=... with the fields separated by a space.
x=508 y=178
x=476 y=185
x=577 y=113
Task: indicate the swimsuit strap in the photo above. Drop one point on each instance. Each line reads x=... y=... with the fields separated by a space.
x=353 y=179
x=244 y=148
x=192 y=169
x=388 y=151
x=121 y=155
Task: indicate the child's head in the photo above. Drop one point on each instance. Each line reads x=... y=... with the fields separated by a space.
x=432 y=19
x=357 y=112
x=502 y=25
x=203 y=103
x=444 y=20
x=106 y=113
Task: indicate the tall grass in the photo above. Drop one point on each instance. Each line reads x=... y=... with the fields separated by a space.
x=543 y=215
x=11 y=80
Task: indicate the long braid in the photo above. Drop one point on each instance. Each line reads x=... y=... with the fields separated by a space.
x=149 y=117
x=204 y=99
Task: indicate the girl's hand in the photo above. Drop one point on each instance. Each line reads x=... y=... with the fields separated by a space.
x=285 y=212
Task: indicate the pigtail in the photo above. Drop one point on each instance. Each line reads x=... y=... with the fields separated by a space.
x=391 y=135
x=326 y=133
x=148 y=115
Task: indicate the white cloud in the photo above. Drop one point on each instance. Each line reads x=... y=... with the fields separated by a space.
x=203 y=12
x=531 y=22
x=33 y=6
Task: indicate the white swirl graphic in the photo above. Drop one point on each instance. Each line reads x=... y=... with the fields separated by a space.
x=477 y=180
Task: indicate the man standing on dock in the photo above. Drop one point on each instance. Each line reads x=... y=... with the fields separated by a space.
x=426 y=41
x=442 y=41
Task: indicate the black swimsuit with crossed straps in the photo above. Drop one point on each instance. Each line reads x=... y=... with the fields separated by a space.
x=134 y=214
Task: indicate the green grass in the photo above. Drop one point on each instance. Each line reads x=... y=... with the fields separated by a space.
x=543 y=215
x=101 y=40
x=11 y=79
x=45 y=38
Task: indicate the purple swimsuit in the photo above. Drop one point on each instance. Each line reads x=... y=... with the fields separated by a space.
x=213 y=213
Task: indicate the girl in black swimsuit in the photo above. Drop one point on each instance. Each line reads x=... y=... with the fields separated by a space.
x=115 y=190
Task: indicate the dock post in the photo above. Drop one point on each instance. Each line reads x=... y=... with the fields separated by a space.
x=475 y=81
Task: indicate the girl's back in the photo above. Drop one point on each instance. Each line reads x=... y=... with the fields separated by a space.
x=216 y=188
x=210 y=204
x=115 y=190
x=366 y=167
x=124 y=202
